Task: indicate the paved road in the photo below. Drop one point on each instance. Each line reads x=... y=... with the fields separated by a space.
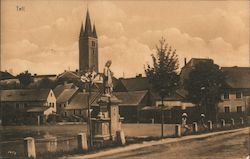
x=226 y=146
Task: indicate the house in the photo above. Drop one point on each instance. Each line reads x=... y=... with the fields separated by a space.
x=236 y=97
x=64 y=99
x=150 y=107
x=132 y=104
x=77 y=106
x=24 y=105
x=137 y=83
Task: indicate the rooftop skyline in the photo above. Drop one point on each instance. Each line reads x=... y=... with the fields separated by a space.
x=43 y=38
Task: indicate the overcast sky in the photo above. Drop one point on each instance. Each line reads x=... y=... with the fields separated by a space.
x=44 y=37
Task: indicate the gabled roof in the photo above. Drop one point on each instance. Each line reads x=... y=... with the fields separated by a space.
x=69 y=75
x=195 y=61
x=80 y=101
x=24 y=95
x=237 y=77
x=60 y=88
x=135 y=84
x=132 y=98
x=5 y=75
x=176 y=96
x=66 y=95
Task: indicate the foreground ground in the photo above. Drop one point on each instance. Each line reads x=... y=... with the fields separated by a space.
x=230 y=145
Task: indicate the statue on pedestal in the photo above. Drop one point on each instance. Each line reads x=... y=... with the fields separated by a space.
x=107 y=79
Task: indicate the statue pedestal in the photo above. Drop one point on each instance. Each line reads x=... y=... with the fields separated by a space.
x=108 y=120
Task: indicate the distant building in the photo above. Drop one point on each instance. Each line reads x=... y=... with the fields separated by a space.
x=19 y=104
x=189 y=66
x=88 y=46
x=132 y=104
x=236 y=97
x=6 y=75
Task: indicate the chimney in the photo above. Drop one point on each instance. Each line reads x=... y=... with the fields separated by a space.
x=185 y=61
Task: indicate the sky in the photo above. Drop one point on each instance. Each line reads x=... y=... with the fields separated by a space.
x=43 y=37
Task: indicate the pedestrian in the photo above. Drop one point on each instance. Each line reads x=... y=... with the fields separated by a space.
x=203 y=121
x=184 y=123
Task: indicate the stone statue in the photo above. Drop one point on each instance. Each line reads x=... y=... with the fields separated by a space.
x=107 y=79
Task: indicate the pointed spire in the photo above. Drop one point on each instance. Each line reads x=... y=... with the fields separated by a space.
x=81 y=32
x=94 y=32
x=88 y=28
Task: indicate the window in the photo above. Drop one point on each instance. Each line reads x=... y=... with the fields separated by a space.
x=239 y=109
x=93 y=43
x=226 y=95
x=65 y=114
x=60 y=105
x=80 y=112
x=238 y=94
x=226 y=109
x=64 y=105
x=74 y=111
x=93 y=51
x=53 y=105
x=50 y=104
x=17 y=105
x=51 y=94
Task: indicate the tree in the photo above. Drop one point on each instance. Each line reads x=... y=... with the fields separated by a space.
x=47 y=83
x=163 y=74
x=205 y=84
x=25 y=78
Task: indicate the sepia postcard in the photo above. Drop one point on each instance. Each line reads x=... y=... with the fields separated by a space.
x=137 y=79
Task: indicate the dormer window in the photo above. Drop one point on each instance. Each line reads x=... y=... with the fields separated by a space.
x=238 y=95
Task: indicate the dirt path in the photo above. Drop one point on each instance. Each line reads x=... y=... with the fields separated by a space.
x=227 y=146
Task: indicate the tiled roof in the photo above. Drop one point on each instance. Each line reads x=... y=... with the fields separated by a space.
x=60 y=88
x=237 y=77
x=132 y=98
x=136 y=84
x=80 y=101
x=66 y=95
x=24 y=95
x=37 y=109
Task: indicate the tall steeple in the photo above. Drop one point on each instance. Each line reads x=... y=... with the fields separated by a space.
x=88 y=27
x=88 y=46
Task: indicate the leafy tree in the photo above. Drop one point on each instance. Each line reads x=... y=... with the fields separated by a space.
x=163 y=74
x=46 y=83
x=25 y=78
x=205 y=84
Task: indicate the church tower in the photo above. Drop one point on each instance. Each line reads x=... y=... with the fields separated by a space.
x=88 y=46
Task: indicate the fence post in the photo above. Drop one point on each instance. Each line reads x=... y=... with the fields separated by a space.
x=177 y=130
x=195 y=127
x=210 y=125
x=223 y=123
x=232 y=122
x=82 y=142
x=120 y=136
x=29 y=147
x=241 y=121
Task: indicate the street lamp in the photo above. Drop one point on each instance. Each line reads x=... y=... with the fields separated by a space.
x=89 y=78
